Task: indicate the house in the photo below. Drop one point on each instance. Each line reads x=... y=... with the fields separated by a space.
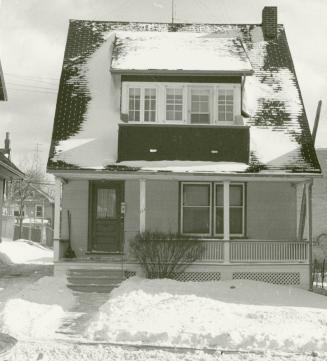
x=179 y=127
x=3 y=92
x=8 y=172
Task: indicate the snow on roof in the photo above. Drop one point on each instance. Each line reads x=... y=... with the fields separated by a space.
x=85 y=134
x=192 y=52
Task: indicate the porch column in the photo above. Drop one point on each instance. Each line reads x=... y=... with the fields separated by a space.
x=309 y=230
x=226 y=221
x=142 y=204
x=56 y=230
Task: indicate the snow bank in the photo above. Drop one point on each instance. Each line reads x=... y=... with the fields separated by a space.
x=24 y=252
x=231 y=314
x=24 y=319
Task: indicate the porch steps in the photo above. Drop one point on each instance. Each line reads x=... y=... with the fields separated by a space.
x=94 y=280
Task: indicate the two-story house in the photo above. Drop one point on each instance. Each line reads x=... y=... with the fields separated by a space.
x=183 y=128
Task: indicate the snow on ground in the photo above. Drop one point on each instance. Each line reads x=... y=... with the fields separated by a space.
x=232 y=314
x=38 y=310
x=24 y=252
x=63 y=352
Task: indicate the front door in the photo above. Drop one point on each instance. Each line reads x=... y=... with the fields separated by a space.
x=106 y=217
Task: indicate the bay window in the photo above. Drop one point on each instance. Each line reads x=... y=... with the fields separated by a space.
x=203 y=213
x=190 y=103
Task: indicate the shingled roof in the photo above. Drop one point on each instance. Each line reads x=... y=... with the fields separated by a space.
x=85 y=130
x=3 y=93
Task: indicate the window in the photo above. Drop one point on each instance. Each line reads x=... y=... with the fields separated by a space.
x=200 y=215
x=39 y=211
x=134 y=109
x=200 y=106
x=225 y=105
x=174 y=104
x=236 y=209
x=196 y=208
x=193 y=103
x=142 y=105
x=106 y=203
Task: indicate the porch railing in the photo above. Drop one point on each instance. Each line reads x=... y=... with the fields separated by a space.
x=213 y=251
x=268 y=251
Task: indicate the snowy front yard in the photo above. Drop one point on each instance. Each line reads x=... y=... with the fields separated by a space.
x=238 y=314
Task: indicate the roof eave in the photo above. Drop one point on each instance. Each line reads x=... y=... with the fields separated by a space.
x=242 y=72
x=13 y=171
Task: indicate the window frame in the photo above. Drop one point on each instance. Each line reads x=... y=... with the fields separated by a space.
x=161 y=94
x=35 y=210
x=182 y=208
x=215 y=209
x=212 y=208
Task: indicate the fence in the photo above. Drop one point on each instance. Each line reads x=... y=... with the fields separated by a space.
x=35 y=232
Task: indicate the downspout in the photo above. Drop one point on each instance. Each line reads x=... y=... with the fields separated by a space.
x=310 y=234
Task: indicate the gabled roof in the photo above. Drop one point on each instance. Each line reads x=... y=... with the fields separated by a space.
x=87 y=116
x=164 y=52
x=8 y=169
x=3 y=92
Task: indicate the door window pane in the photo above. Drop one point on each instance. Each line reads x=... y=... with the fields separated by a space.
x=200 y=106
x=174 y=104
x=106 y=203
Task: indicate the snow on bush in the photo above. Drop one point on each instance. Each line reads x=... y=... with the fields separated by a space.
x=24 y=252
x=23 y=319
x=232 y=314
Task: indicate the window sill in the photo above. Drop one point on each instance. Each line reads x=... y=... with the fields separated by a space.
x=154 y=124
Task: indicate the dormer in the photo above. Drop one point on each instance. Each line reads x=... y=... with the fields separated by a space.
x=180 y=78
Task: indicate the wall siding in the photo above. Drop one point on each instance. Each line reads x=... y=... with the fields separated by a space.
x=76 y=200
x=271 y=211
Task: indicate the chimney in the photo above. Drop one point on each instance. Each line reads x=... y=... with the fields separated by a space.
x=269 y=22
x=7 y=145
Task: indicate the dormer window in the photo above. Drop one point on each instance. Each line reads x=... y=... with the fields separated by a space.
x=189 y=103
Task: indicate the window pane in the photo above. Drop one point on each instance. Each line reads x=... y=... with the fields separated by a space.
x=200 y=119
x=225 y=105
x=150 y=105
x=174 y=104
x=236 y=220
x=134 y=104
x=106 y=203
x=236 y=195
x=200 y=109
x=196 y=195
x=219 y=195
x=219 y=220
x=196 y=220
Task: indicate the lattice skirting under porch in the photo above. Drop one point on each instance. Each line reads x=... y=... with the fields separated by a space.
x=188 y=276
x=280 y=278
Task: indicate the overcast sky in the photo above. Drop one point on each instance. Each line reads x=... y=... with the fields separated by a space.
x=33 y=35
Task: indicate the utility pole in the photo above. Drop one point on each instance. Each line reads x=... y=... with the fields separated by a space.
x=172 y=11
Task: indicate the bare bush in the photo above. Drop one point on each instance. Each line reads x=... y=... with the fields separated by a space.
x=161 y=255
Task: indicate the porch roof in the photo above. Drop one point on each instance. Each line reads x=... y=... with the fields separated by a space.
x=85 y=133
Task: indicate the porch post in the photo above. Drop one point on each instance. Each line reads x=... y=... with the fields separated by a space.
x=56 y=230
x=142 y=204
x=309 y=218
x=226 y=221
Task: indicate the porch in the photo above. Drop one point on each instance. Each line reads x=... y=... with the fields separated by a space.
x=272 y=244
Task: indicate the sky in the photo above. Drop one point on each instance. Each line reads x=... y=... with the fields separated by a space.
x=33 y=36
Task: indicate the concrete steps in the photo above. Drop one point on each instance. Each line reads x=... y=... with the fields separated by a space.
x=94 y=280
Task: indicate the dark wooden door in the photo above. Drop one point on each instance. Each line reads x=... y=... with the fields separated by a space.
x=106 y=218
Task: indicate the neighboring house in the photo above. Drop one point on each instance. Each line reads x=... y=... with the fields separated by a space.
x=3 y=92
x=8 y=172
x=179 y=127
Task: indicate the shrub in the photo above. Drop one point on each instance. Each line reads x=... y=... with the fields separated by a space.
x=161 y=255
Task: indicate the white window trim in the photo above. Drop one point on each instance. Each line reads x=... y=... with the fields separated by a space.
x=182 y=207
x=243 y=209
x=35 y=208
x=161 y=101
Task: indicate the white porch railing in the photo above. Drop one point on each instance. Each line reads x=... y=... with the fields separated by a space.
x=213 y=251
x=268 y=251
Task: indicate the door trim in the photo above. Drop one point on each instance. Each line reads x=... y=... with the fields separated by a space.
x=93 y=183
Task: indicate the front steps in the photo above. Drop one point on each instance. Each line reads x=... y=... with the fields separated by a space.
x=94 y=280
